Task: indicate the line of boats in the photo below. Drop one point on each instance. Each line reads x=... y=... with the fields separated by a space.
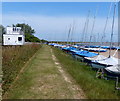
x=91 y=53
x=109 y=65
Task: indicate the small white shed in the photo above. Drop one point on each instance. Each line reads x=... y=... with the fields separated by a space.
x=13 y=36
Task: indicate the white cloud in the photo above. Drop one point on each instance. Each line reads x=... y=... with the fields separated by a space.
x=56 y=27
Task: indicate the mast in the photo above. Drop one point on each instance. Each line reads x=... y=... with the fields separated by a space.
x=84 y=29
x=69 y=31
x=73 y=27
x=104 y=31
x=112 y=28
x=93 y=24
x=82 y=38
x=87 y=24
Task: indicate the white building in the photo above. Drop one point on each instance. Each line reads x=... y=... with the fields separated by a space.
x=13 y=36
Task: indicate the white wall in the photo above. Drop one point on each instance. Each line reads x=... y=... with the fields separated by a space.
x=13 y=39
x=9 y=30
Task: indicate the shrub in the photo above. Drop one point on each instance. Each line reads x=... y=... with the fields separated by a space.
x=14 y=58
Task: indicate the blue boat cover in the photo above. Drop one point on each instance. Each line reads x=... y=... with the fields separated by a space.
x=92 y=46
x=86 y=54
x=105 y=47
x=69 y=48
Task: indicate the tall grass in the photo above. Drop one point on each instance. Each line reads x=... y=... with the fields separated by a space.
x=14 y=58
x=93 y=87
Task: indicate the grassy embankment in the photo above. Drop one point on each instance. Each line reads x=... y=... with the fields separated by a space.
x=0 y=72
x=40 y=80
x=94 y=88
x=14 y=58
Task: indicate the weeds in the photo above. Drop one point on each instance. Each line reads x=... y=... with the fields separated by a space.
x=14 y=58
x=93 y=87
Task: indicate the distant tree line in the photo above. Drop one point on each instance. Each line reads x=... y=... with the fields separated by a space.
x=25 y=27
x=2 y=31
x=28 y=31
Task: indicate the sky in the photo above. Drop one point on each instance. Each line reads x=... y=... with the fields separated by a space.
x=59 y=0
x=52 y=20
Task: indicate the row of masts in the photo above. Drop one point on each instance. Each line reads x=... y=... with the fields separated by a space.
x=85 y=29
x=93 y=36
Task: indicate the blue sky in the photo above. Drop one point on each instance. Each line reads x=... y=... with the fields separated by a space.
x=56 y=8
x=51 y=20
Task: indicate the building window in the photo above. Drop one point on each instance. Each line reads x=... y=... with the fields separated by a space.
x=19 y=38
x=8 y=38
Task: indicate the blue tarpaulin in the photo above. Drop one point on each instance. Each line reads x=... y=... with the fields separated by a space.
x=86 y=54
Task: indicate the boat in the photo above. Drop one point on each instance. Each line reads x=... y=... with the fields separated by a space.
x=82 y=54
x=105 y=47
x=109 y=61
x=87 y=46
x=113 y=71
x=95 y=49
x=98 y=57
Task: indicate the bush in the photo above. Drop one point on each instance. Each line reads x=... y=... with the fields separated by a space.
x=14 y=58
x=31 y=38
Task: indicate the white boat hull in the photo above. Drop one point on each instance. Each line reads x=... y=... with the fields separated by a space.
x=113 y=70
x=99 y=66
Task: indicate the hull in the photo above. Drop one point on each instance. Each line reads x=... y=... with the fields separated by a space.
x=87 y=61
x=90 y=59
x=99 y=66
x=94 y=65
x=111 y=73
x=79 y=57
x=111 y=61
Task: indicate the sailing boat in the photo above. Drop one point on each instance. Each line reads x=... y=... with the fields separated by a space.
x=81 y=54
x=94 y=48
x=113 y=70
x=90 y=59
x=98 y=57
x=111 y=60
x=68 y=46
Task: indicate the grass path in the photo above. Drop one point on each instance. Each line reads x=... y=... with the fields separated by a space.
x=44 y=78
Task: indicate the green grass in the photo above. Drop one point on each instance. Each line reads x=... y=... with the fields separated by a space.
x=14 y=58
x=40 y=80
x=93 y=87
x=0 y=72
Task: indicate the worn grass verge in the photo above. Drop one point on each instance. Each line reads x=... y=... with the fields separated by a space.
x=14 y=58
x=94 y=88
x=40 y=80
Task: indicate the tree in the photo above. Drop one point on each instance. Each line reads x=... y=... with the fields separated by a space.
x=2 y=31
x=26 y=28
x=44 y=41
x=31 y=38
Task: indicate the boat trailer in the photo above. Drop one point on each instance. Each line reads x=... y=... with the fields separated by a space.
x=117 y=87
